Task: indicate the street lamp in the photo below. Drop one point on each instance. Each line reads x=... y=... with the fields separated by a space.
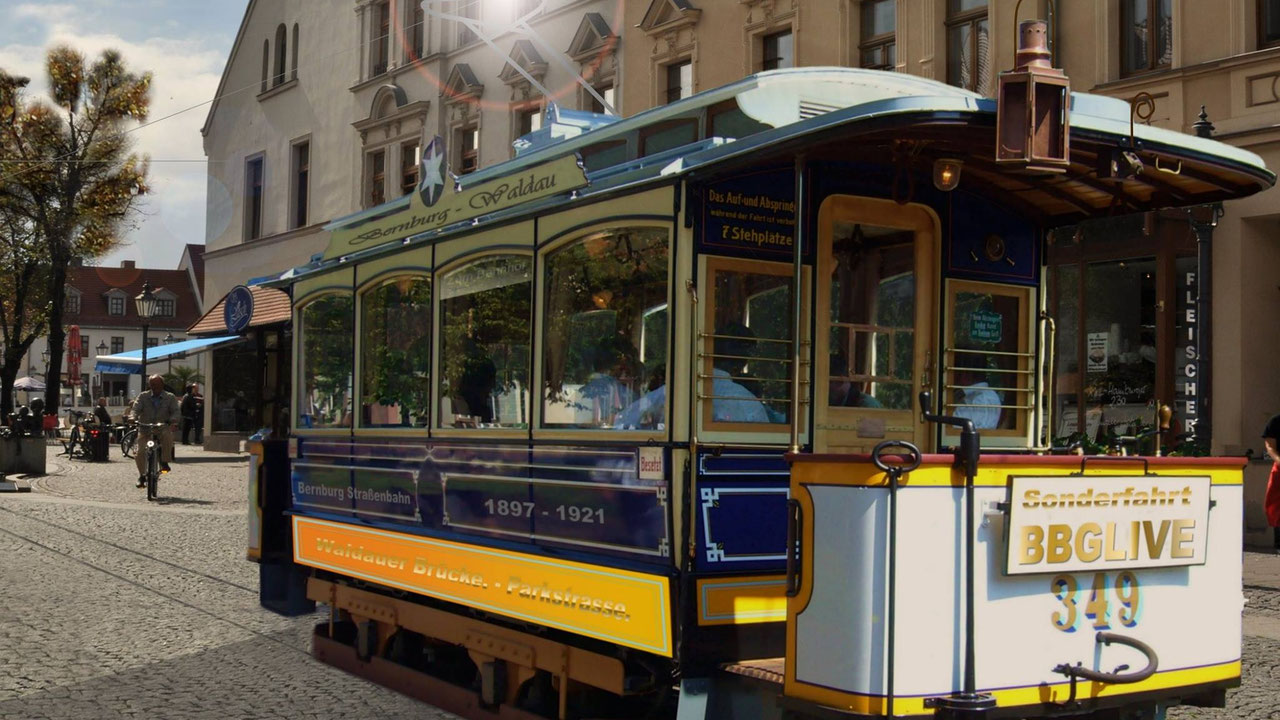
x=168 y=338
x=146 y=305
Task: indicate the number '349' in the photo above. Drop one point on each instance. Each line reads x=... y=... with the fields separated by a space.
x=1097 y=601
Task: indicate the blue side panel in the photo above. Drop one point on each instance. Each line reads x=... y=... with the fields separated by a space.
x=591 y=500
x=741 y=512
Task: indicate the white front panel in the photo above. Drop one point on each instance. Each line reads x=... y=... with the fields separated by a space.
x=840 y=633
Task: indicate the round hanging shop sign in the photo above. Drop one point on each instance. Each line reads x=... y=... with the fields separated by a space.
x=238 y=309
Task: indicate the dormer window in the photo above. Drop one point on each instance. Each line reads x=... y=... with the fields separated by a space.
x=71 y=305
x=164 y=308
x=115 y=305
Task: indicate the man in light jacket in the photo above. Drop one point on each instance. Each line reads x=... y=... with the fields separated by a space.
x=156 y=405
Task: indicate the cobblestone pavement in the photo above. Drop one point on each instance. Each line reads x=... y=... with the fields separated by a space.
x=113 y=607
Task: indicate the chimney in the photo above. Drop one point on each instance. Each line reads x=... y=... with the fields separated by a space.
x=128 y=264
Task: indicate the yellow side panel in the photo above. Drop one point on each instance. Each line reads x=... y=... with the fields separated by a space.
x=742 y=600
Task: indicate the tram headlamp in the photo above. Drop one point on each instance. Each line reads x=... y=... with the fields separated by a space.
x=946 y=173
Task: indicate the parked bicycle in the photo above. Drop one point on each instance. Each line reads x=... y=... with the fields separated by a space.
x=153 y=459
x=75 y=446
x=128 y=438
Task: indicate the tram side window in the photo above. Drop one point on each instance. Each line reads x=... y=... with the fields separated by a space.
x=746 y=369
x=328 y=332
x=604 y=350
x=987 y=364
x=484 y=343
x=873 y=310
x=395 y=353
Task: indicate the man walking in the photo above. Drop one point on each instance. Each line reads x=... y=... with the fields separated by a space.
x=156 y=405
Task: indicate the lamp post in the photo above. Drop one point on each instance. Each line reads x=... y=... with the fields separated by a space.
x=100 y=350
x=168 y=339
x=146 y=306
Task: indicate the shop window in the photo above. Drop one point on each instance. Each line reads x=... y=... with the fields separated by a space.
x=745 y=370
x=604 y=347
x=327 y=343
x=968 y=46
x=1146 y=35
x=1268 y=23
x=879 y=25
x=484 y=343
x=988 y=373
x=873 y=314
x=234 y=399
x=777 y=51
x=395 y=353
x=679 y=80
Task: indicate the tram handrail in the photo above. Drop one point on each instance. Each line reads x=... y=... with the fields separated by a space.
x=1117 y=676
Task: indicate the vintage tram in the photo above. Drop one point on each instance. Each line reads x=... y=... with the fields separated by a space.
x=632 y=424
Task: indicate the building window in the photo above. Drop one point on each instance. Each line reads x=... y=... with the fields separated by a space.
x=1146 y=35
x=253 y=198
x=417 y=32
x=282 y=52
x=380 y=45
x=301 y=185
x=153 y=342
x=409 y=158
x=1268 y=23
x=779 y=51
x=71 y=305
x=293 y=74
x=469 y=149
x=84 y=346
x=467 y=9
x=879 y=23
x=679 y=80
x=375 y=192
x=266 y=64
x=117 y=343
x=528 y=120
x=606 y=92
x=968 y=51
x=164 y=308
x=115 y=305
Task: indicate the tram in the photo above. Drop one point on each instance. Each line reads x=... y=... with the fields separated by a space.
x=740 y=408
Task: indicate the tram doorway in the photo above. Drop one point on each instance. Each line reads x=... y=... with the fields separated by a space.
x=874 y=345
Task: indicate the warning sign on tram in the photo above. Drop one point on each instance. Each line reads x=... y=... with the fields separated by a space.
x=986 y=327
x=1096 y=522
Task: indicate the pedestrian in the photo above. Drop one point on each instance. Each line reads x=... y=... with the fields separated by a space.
x=1271 y=502
x=195 y=392
x=188 y=409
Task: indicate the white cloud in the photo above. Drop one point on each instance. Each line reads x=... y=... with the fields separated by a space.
x=186 y=71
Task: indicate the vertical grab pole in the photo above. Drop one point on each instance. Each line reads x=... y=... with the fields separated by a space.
x=797 y=306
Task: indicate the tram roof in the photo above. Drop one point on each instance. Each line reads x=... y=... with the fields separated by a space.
x=822 y=111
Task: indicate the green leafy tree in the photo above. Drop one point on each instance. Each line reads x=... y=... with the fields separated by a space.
x=70 y=178
x=180 y=377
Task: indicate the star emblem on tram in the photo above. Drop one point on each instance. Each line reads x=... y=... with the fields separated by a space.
x=432 y=170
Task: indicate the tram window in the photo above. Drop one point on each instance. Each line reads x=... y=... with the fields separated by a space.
x=873 y=289
x=669 y=135
x=604 y=154
x=484 y=343
x=746 y=373
x=604 y=349
x=988 y=374
x=395 y=353
x=325 y=366
x=729 y=121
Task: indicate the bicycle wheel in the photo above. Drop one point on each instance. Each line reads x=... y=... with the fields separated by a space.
x=129 y=442
x=153 y=470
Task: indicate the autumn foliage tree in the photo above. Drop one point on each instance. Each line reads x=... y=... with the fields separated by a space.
x=69 y=181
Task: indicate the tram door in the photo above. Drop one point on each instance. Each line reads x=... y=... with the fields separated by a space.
x=874 y=345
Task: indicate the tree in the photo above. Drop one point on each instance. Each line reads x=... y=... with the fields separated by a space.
x=69 y=176
x=180 y=377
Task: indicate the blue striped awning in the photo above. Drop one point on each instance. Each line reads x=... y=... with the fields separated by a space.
x=130 y=363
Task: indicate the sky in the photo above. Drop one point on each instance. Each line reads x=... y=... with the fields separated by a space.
x=184 y=44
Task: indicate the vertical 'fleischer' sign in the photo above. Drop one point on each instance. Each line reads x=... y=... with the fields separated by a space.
x=1188 y=367
x=752 y=214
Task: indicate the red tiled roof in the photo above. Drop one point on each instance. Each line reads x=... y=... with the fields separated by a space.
x=270 y=306
x=94 y=283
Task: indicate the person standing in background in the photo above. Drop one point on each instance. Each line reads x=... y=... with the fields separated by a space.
x=188 y=409
x=1271 y=503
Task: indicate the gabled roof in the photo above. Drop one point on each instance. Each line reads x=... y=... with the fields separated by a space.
x=664 y=15
x=96 y=283
x=593 y=36
x=462 y=83
x=527 y=57
x=226 y=69
x=270 y=306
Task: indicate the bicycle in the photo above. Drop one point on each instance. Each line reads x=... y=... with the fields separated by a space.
x=153 y=450
x=75 y=446
x=129 y=439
